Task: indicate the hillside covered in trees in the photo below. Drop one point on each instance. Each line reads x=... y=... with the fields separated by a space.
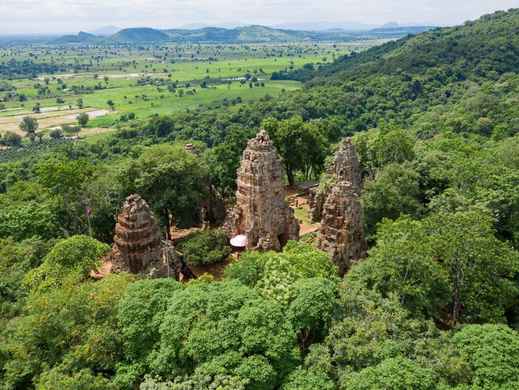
x=434 y=305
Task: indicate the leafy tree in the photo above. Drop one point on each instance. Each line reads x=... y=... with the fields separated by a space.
x=140 y=313
x=205 y=247
x=73 y=257
x=67 y=336
x=160 y=126
x=225 y=329
x=83 y=119
x=276 y=274
x=403 y=263
x=447 y=262
x=56 y=134
x=303 y=146
x=302 y=379
x=30 y=126
x=65 y=178
x=82 y=379
x=172 y=180
x=223 y=160
x=16 y=259
x=28 y=210
x=493 y=354
x=398 y=373
x=100 y=198
x=378 y=148
x=394 y=191
x=196 y=381
x=11 y=139
x=312 y=309
x=481 y=268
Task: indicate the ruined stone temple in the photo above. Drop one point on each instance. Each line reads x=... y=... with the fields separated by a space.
x=344 y=167
x=137 y=241
x=261 y=212
x=340 y=210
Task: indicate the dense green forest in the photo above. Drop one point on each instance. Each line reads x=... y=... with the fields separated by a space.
x=435 y=305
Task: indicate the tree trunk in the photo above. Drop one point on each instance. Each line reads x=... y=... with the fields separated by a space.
x=290 y=175
x=168 y=224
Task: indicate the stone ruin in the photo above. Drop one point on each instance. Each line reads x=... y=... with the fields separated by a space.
x=137 y=241
x=261 y=211
x=138 y=246
x=338 y=207
x=344 y=167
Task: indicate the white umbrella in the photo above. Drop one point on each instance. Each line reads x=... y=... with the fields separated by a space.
x=239 y=241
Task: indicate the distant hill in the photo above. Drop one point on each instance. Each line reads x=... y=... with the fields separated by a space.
x=401 y=30
x=247 y=34
x=487 y=45
x=82 y=37
x=137 y=35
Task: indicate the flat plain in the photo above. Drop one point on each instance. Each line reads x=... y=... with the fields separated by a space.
x=112 y=83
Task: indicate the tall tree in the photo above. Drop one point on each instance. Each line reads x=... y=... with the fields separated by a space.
x=172 y=180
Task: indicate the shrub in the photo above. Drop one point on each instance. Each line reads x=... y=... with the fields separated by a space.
x=206 y=247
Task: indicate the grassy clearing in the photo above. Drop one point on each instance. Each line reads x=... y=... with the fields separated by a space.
x=147 y=100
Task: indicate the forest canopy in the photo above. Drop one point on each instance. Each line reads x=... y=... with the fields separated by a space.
x=434 y=305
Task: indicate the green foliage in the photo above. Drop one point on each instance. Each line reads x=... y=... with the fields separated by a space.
x=378 y=148
x=301 y=379
x=403 y=263
x=493 y=354
x=16 y=259
x=11 y=139
x=28 y=210
x=275 y=274
x=196 y=382
x=29 y=125
x=171 y=179
x=303 y=146
x=205 y=247
x=394 y=191
x=83 y=379
x=82 y=119
x=398 y=374
x=372 y=329
x=225 y=328
x=481 y=268
x=443 y=147
x=66 y=335
x=312 y=309
x=448 y=262
x=462 y=172
x=73 y=257
x=140 y=313
x=56 y=134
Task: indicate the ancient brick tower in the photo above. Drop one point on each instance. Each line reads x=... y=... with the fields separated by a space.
x=342 y=232
x=137 y=241
x=261 y=212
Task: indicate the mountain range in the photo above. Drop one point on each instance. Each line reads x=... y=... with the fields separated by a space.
x=246 y=34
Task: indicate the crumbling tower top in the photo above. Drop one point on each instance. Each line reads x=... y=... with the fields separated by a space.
x=261 y=212
x=137 y=241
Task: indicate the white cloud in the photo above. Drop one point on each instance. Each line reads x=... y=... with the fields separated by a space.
x=33 y=16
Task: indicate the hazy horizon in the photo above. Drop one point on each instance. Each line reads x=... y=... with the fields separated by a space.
x=31 y=17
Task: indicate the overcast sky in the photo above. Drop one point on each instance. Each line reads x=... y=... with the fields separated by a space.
x=53 y=16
